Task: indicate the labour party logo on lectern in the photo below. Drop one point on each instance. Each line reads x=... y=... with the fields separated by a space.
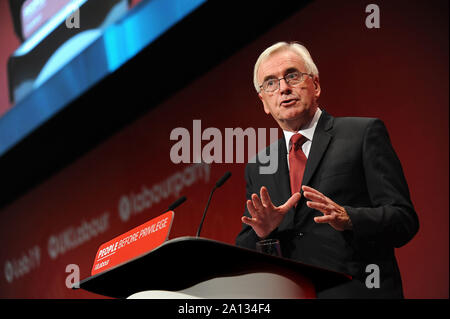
x=133 y=243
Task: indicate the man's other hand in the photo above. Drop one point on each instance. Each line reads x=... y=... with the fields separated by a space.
x=333 y=214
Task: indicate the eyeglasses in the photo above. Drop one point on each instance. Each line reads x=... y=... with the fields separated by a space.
x=292 y=79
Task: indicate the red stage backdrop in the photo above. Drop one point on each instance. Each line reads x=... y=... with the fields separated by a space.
x=398 y=73
x=9 y=43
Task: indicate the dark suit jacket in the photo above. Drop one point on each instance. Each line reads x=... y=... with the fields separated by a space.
x=352 y=162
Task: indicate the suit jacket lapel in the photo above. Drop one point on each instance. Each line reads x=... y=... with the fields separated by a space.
x=282 y=182
x=319 y=145
x=321 y=140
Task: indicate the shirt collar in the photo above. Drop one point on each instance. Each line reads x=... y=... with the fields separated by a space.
x=307 y=131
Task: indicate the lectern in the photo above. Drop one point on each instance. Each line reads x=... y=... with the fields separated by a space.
x=191 y=267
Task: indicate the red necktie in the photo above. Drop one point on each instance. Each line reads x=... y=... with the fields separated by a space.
x=297 y=162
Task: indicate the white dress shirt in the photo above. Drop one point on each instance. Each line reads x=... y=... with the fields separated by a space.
x=307 y=132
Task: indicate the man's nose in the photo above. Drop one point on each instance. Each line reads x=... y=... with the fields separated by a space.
x=284 y=87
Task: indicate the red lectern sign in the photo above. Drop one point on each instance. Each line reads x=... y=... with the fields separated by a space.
x=133 y=243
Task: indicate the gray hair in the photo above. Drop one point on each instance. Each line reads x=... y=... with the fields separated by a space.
x=293 y=46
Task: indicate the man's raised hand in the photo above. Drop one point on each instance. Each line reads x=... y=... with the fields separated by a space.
x=265 y=217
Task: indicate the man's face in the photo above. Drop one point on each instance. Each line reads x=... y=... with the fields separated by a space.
x=291 y=106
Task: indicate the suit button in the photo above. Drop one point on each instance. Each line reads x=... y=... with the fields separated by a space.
x=300 y=234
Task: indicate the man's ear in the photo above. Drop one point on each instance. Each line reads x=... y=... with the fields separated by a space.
x=317 y=88
x=266 y=109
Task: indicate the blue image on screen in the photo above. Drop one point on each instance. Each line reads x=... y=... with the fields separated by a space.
x=86 y=59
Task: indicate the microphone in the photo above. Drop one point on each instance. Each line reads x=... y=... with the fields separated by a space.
x=176 y=203
x=224 y=178
x=219 y=183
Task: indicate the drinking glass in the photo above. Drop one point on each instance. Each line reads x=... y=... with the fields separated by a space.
x=269 y=246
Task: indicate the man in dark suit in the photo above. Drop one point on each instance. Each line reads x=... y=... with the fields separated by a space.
x=339 y=199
